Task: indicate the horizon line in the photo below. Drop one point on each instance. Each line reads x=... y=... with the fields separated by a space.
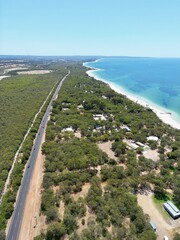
x=76 y=55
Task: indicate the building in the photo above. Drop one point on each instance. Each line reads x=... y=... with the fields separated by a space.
x=125 y=127
x=80 y=107
x=68 y=129
x=152 y=138
x=140 y=144
x=133 y=145
x=99 y=117
x=65 y=109
x=172 y=209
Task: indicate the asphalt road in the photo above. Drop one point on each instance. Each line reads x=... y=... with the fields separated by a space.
x=15 y=225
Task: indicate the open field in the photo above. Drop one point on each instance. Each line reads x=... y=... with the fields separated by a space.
x=34 y=72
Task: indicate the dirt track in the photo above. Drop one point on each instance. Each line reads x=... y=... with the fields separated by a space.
x=164 y=227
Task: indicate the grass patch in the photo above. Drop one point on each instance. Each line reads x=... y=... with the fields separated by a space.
x=159 y=205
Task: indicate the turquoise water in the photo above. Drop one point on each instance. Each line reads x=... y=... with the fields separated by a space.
x=154 y=79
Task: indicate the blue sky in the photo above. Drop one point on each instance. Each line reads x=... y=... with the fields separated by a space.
x=90 y=27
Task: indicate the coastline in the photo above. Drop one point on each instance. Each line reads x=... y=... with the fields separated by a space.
x=162 y=114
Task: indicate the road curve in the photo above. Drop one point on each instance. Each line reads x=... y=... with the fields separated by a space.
x=15 y=225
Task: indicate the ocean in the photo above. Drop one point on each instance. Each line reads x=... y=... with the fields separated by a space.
x=154 y=81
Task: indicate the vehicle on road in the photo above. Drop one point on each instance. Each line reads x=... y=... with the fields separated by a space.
x=153 y=226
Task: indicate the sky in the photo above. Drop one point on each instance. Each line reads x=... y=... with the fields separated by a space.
x=90 y=27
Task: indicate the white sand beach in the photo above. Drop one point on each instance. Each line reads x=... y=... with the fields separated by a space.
x=165 y=115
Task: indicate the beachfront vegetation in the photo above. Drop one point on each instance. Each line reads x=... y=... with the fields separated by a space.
x=98 y=192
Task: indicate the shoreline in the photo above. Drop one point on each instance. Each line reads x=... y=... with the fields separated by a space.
x=163 y=114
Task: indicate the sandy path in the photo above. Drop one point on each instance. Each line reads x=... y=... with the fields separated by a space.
x=151 y=154
x=106 y=147
x=32 y=208
x=83 y=193
x=148 y=206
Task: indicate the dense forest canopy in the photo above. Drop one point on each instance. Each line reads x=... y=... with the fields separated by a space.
x=86 y=113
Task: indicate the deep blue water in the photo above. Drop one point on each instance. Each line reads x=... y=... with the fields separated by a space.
x=155 y=79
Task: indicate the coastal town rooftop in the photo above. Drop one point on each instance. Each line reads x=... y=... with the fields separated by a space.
x=152 y=138
x=99 y=117
x=68 y=129
x=172 y=209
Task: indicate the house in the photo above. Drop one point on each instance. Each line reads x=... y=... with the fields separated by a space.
x=125 y=127
x=104 y=97
x=99 y=117
x=172 y=209
x=152 y=138
x=65 y=109
x=140 y=144
x=68 y=129
x=133 y=145
x=80 y=107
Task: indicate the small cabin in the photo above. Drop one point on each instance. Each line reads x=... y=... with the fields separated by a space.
x=68 y=129
x=125 y=127
x=99 y=117
x=152 y=138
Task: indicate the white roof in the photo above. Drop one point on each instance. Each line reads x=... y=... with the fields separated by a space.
x=133 y=145
x=68 y=129
x=140 y=144
x=65 y=109
x=169 y=206
x=99 y=117
x=79 y=106
x=173 y=206
x=104 y=97
x=153 y=138
x=125 y=127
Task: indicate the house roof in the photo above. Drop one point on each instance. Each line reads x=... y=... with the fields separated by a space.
x=173 y=206
x=153 y=138
x=172 y=209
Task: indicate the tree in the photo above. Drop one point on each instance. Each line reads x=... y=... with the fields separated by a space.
x=69 y=222
x=176 y=236
x=176 y=189
x=160 y=193
x=148 y=235
x=55 y=231
x=2 y=235
x=52 y=214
